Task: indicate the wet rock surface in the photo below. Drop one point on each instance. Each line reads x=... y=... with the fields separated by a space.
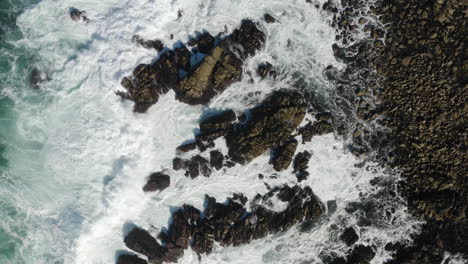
x=425 y=95
x=268 y=125
x=349 y=236
x=78 y=15
x=148 y=44
x=130 y=259
x=282 y=155
x=228 y=224
x=221 y=67
x=157 y=181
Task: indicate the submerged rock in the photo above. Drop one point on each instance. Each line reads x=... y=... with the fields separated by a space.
x=36 y=77
x=269 y=19
x=148 y=44
x=157 y=181
x=268 y=125
x=266 y=69
x=78 y=15
x=361 y=255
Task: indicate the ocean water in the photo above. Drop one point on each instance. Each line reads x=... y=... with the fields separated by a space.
x=74 y=157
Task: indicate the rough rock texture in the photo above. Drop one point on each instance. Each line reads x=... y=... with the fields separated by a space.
x=197 y=165
x=228 y=224
x=130 y=259
x=315 y=128
x=78 y=15
x=266 y=69
x=425 y=93
x=301 y=161
x=157 y=181
x=216 y=159
x=216 y=126
x=142 y=242
x=269 y=125
x=349 y=236
x=283 y=155
x=221 y=67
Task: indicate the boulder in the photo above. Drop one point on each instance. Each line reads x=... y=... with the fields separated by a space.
x=315 y=128
x=249 y=37
x=130 y=259
x=142 y=242
x=349 y=236
x=283 y=155
x=269 y=125
x=266 y=69
x=361 y=255
x=301 y=161
x=216 y=159
x=78 y=15
x=269 y=19
x=197 y=165
x=187 y=147
x=178 y=163
x=157 y=181
x=205 y=42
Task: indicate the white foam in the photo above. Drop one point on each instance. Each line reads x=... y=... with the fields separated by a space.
x=92 y=154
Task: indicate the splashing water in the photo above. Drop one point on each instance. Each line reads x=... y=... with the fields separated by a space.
x=74 y=157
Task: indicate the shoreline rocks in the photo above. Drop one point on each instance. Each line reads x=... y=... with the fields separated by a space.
x=221 y=67
x=228 y=224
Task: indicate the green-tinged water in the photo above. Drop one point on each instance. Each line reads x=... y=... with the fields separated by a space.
x=15 y=64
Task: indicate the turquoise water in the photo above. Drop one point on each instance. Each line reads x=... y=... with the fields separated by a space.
x=74 y=157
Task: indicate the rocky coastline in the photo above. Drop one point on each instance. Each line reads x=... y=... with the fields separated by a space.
x=402 y=102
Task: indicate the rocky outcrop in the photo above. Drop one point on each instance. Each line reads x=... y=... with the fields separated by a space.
x=228 y=224
x=148 y=44
x=130 y=259
x=221 y=67
x=269 y=125
x=322 y=126
x=157 y=181
x=282 y=155
x=349 y=236
x=142 y=242
x=266 y=69
x=216 y=126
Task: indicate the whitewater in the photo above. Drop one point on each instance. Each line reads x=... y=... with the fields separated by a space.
x=76 y=155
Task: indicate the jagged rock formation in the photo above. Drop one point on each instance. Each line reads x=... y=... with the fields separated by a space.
x=282 y=155
x=269 y=125
x=226 y=223
x=221 y=67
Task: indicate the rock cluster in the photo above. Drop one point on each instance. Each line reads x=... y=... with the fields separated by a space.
x=425 y=94
x=228 y=224
x=269 y=125
x=193 y=84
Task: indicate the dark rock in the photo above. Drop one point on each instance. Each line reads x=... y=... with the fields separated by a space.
x=266 y=69
x=361 y=255
x=130 y=259
x=249 y=37
x=187 y=147
x=148 y=44
x=78 y=15
x=229 y=223
x=142 y=242
x=240 y=198
x=221 y=67
x=157 y=181
x=36 y=77
x=216 y=126
x=216 y=159
x=205 y=42
x=349 y=236
x=302 y=176
x=283 y=155
x=197 y=165
x=269 y=125
x=182 y=58
x=301 y=161
x=316 y=128
x=178 y=164
x=269 y=19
